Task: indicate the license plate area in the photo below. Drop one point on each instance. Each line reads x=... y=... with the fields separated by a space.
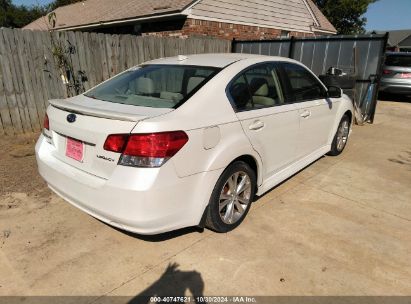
x=75 y=149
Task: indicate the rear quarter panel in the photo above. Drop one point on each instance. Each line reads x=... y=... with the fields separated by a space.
x=208 y=108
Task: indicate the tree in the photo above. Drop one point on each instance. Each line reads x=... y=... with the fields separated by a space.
x=18 y=16
x=345 y=15
x=5 y=6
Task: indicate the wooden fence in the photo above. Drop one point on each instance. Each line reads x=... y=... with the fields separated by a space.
x=30 y=76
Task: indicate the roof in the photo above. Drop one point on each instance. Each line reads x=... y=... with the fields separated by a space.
x=93 y=13
x=98 y=11
x=323 y=23
x=218 y=60
x=396 y=37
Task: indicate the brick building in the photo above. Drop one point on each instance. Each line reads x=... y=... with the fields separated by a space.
x=228 y=19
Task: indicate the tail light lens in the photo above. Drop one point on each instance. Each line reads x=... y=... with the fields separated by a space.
x=116 y=142
x=405 y=75
x=46 y=122
x=146 y=150
x=386 y=72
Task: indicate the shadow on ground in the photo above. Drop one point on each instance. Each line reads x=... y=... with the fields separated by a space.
x=172 y=283
x=160 y=237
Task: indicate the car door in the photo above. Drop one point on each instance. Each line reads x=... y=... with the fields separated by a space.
x=270 y=124
x=316 y=111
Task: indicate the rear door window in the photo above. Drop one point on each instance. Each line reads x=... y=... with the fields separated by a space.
x=256 y=88
x=240 y=93
x=397 y=60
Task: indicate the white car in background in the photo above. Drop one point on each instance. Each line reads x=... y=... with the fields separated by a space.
x=189 y=140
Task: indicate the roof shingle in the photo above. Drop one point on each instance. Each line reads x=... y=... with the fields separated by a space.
x=98 y=11
x=323 y=22
x=95 y=12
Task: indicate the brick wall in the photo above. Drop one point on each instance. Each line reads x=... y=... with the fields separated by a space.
x=194 y=27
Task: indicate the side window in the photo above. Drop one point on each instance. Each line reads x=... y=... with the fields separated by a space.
x=303 y=84
x=240 y=93
x=256 y=88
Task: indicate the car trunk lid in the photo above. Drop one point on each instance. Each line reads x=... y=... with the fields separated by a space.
x=80 y=125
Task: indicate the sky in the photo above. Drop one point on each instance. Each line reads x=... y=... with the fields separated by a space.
x=381 y=15
x=33 y=2
x=389 y=15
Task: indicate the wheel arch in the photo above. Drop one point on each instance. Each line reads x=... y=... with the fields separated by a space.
x=345 y=108
x=254 y=164
x=251 y=161
x=349 y=114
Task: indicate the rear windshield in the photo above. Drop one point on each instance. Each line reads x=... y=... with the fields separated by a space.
x=396 y=60
x=155 y=86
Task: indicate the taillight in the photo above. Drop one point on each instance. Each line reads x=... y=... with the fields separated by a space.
x=146 y=150
x=386 y=72
x=405 y=75
x=116 y=142
x=46 y=122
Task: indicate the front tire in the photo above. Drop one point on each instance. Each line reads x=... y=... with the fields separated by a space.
x=341 y=137
x=231 y=198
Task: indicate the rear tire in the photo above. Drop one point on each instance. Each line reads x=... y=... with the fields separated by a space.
x=341 y=136
x=231 y=198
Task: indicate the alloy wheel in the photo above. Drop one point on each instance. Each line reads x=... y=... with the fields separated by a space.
x=235 y=197
x=342 y=135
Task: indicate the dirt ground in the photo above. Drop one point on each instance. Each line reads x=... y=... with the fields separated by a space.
x=342 y=226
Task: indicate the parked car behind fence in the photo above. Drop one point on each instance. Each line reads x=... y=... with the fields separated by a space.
x=396 y=78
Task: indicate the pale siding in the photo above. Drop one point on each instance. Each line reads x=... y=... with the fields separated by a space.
x=290 y=15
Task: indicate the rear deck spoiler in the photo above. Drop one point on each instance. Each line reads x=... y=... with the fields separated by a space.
x=97 y=108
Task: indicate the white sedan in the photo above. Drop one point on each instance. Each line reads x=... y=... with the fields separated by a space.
x=189 y=140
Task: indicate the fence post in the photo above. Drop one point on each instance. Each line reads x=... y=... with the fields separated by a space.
x=291 y=50
x=233 y=45
x=377 y=86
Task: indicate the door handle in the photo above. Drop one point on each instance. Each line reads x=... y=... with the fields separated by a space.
x=305 y=114
x=256 y=125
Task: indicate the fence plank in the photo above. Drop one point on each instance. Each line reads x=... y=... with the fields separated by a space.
x=103 y=56
x=110 y=55
x=140 y=50
x=39 y=59
x=82 y=58
x=23 y=62
x=97 y=59
x=11 y=98
x=6 y=123
x=34 y=75
x=17 y=74
x=89 y=59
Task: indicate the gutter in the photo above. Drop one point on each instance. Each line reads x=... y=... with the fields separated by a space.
x=315 y=30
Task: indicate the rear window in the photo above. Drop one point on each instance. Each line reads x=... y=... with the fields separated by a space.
x=396 y=60
x=155 y=86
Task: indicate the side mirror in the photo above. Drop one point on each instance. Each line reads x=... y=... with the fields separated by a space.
x=334 y=92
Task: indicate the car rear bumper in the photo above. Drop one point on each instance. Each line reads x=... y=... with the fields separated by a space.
x=395 y=88
x=140 y=200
